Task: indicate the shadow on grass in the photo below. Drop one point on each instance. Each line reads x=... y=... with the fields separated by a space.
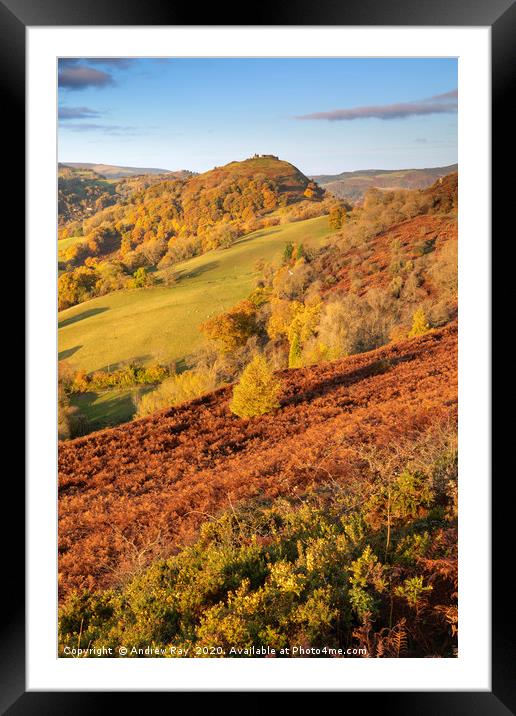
x=182 y=274
x=137 y=360
x=257 y=235
x=68 y=352
x=81 y=316
x=108 y=411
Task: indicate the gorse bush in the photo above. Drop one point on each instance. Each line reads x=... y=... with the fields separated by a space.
x=257 y=391
x=286 y=573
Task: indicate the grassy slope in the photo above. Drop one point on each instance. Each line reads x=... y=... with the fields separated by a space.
x=105 y=409
x=162 y=323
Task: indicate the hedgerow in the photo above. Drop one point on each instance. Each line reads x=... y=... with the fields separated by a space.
x=126 y=377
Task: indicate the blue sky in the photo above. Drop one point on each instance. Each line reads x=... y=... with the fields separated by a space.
x=324 y=115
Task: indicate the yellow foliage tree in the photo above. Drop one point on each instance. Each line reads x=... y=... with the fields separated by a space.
x=257 y=392
x=283 y=313
x=419 y=324
x=305 y=320
x=232 y=329
x=295 y=352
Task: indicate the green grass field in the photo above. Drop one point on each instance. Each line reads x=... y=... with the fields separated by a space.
x=107 y=408
x=162 y=323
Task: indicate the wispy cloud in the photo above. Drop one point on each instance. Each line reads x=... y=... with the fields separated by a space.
x=65 y=113
x=119 y=63
x=452 y=94
x=438 y=104
x=111 y=129
x=78 y=77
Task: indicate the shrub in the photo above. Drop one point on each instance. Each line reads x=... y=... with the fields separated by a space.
x=142 y=278
x=444 y=270
x=413 y=590
x=176 y=390
x=130 y=375
x=70 y=421
x=257 y=391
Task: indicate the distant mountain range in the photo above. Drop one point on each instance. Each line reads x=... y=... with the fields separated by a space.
x=111 y=171
x=353 y=185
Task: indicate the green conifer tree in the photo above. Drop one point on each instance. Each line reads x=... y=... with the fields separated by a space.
x=287 y=252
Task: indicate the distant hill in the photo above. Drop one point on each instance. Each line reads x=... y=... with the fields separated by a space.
x=82 y=191
x=156 y=211
x=353 y=185
x=110 y=171
x=285 y=180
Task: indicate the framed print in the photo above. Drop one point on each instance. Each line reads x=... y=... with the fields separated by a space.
x=258 y=354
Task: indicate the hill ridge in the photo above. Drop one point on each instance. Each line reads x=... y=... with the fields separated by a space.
x=448 y=169
x=116 y=171
x=354 y=184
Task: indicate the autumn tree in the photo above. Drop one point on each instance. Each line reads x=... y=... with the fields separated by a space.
x=311 y=191
x=283 y=313
x=337 y=217
x=232 y=328
x=76 y=286
x=419 y=324
x=305 y=320
x=257 y=392
x=295 y=352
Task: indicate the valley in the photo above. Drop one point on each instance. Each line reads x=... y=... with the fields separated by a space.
x=324 y=512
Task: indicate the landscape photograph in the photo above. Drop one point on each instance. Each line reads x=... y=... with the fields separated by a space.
x=257 y=298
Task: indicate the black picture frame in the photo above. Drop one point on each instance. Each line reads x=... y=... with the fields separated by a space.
x=500 y=16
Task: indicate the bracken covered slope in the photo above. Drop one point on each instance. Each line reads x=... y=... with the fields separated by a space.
x=130 y=493
x=374 y=269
